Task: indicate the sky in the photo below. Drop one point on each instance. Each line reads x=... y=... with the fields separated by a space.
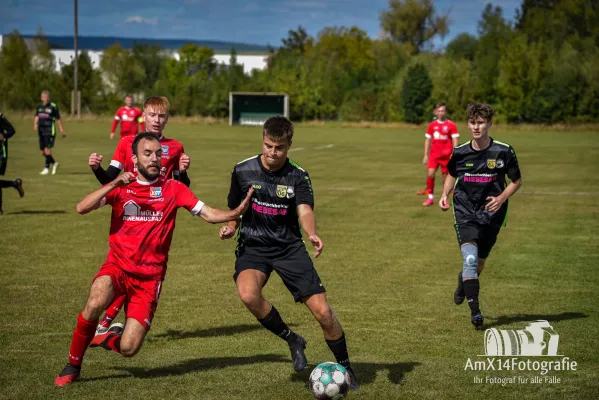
x=245 y=21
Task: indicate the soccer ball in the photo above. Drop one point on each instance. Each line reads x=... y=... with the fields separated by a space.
x=329 y=380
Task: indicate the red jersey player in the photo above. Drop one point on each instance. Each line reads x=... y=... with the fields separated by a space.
x=141 y=229
x=441 y=137
x=174 y=165
x=129 y=117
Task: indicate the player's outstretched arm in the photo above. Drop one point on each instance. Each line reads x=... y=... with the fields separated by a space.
x=92 y=201
x=215 y=216
x=228 y=231
x=447 y=187
x=308 y=223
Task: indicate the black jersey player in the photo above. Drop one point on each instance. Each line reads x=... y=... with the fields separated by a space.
x=477 y=175
x=270 y=239
x=6 y=132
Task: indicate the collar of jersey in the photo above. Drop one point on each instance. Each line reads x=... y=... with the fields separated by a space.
x=147 y=183
x=481 y=150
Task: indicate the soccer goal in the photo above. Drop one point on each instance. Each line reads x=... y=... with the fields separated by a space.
x=251 y=108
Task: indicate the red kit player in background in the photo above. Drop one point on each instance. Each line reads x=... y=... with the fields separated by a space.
x=441 y=137
x=144 y=210
x=130 y=117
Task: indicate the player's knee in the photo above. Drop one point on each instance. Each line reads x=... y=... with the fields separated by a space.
x=249 y=297
x=324 y=315
x=128 y=350
x=470 y=261
x=94 y=307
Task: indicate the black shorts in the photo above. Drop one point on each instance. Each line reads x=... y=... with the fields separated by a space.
x=292 y=263
x=485 y=236
x=46 y=141
x=3 y=157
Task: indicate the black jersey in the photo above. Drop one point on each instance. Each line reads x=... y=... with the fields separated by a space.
x=7 y=131
x=480 y=174
x=47 y=115
x=272 y=219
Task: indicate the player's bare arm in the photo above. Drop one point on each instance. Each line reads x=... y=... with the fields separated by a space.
x=308 y=223
x=454 y=142
x=427 y=150
x=228 y=231
x=215 y=216
x=92 y=201
x=35 y=123
x=495 y=203
x=447 y=186
x=59 y=122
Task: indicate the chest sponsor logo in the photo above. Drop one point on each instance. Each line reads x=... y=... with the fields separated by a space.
x=290 y=192
x=470 y=164
x=480 y=178
x=133 y=212
x=439 y=136
x=256 y=186
x=125 y=117
x=155 y=192
x=491 y=164
x=48 y=110
x=129 y=191
x=281 y=191
x=164 y=150
x=499 y=163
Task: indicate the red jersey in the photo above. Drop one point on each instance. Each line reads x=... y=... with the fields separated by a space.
x=440 y=134
x=129 y=119
x=142 y=224
x=171 y=152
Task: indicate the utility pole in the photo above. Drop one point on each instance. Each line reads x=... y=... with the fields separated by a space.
x=76 y=97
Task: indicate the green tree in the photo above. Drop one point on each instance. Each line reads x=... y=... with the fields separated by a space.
x=416 y=93
x=413 y=23
x=151 y=58
x=93 y=98
x=123 y=72
x=463 y=45
x=17 y=80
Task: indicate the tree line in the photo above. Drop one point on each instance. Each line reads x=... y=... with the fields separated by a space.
x=542 y=67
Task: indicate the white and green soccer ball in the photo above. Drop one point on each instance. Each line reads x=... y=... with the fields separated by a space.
x=329 y=380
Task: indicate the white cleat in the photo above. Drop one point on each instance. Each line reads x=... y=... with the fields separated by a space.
x=55 y=168
x=46 y=171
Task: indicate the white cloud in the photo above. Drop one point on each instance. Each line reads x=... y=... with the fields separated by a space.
x=138 y=19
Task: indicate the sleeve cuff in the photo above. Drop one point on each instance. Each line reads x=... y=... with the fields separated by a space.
x=455 y=135
x=102 y=202
x=426 y=135
x=117 y=118
x=197 y=208
x=116 y=164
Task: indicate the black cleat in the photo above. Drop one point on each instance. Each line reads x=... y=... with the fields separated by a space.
x=478 y=320
x=353 y=382
x=298 y=356
x=19 y=187
x=459 y=295
x=69 y=374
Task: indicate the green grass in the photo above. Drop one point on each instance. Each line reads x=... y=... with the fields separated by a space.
x=389 y=266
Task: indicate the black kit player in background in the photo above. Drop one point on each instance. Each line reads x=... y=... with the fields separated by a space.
x=6 y=132
x=477 y=175
x=47 y=117
x=270 y=238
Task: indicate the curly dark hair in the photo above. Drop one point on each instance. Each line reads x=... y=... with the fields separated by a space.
x=476 y=110
x=278 y=128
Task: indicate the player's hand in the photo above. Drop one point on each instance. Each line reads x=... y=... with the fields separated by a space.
x=226 y=232
x=245 y=204
x=317 y=243
x=1 y=138
x=95 y=160
x=184 y=162
x=444 y=203
x=494 y=203
x=124 y=179
x=111 y=135
x=63 y=134
x=425 y=160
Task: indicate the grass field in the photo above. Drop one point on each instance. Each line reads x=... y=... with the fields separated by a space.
x=389 y=266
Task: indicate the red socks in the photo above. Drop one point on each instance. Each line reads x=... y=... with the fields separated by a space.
x=82 y=337
x=113 y=310
x=430 y=185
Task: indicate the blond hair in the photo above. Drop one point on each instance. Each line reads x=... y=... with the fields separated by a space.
x=158 y=102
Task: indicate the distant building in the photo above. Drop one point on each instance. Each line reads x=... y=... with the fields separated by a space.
x=94 y=48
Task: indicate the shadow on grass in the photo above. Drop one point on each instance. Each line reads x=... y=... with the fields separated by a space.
x=201 y=364
x=510 y=319
x=35 y=212
x=205 y=333
x=366 y=372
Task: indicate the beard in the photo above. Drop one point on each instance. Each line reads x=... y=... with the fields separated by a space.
x=150 y=176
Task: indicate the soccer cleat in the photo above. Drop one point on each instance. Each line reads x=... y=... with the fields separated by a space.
x=423 y=192
x=101 y=329
x=19 y=186
x=298 y=356
x=353 y=382
x=428 y=202
x=45 y=171
x=478 y=320
x=101 y=339
x=459 y=295
x=69 y=374
x=55 y=168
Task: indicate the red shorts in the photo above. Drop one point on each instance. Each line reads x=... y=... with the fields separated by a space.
x=436 y=161
x=141 y=295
